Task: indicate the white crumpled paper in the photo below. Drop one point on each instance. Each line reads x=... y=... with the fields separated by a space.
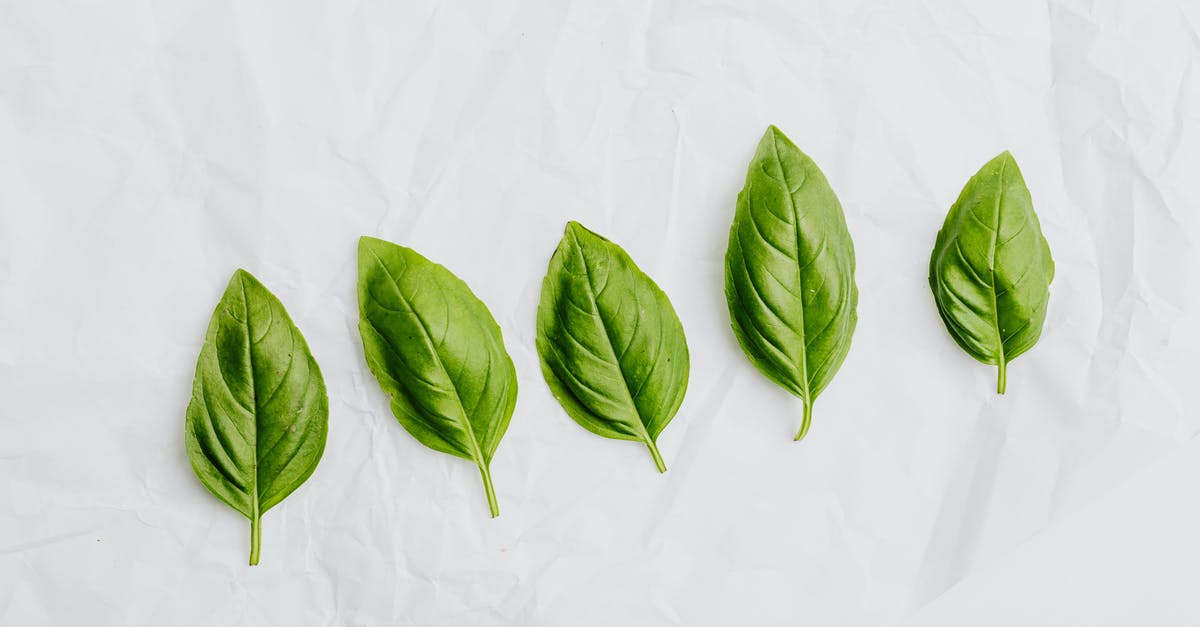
x=147 y=149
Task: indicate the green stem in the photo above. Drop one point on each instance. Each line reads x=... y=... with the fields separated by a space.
x=493 y=507
x=658 y=460
x=807 y=421
x=1001 y=377
x=255 y=537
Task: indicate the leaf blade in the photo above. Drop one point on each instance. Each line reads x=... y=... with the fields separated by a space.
x=789 y=272
x=991 y=269
x=437 y=352
x=244 y=397
x=611 y=348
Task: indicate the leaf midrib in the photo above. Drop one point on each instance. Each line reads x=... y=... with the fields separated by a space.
x=254 y=496
x=995 y=249
x=787 y=186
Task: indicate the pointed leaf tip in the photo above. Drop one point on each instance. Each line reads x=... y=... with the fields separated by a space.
x=579 y=231
x=1005 y=158
x=367 y=242
x=243 y=277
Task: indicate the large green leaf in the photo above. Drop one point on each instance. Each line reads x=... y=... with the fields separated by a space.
x=256 y=425
x=991 y=267
x=789 y=272
x=437 y=352
x=612 y=349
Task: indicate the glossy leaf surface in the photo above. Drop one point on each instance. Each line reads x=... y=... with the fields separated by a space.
x=991 y=268
x=257 y=421
x=437 y=352
x=789 y=272
x=611 y=347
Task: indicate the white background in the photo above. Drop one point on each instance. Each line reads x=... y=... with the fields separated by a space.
x=147 y=149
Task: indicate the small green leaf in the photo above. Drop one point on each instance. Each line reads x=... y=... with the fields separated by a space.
x=612 y=349
x=991 y=268
x=437 y=352
x=256 y=424
x=789 y=272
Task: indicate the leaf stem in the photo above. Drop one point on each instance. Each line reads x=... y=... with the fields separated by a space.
x=255 y=537
x=658 y=460
x=807 y=421
x=1001 y=376
x=493 y=507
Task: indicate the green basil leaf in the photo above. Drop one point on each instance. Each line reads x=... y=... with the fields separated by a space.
x=789 y=272
x=991 y=267
x=437 y=352
x=612 y=349
x=256 y=424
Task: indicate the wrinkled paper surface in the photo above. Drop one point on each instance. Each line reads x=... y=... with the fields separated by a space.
x=147 y=149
